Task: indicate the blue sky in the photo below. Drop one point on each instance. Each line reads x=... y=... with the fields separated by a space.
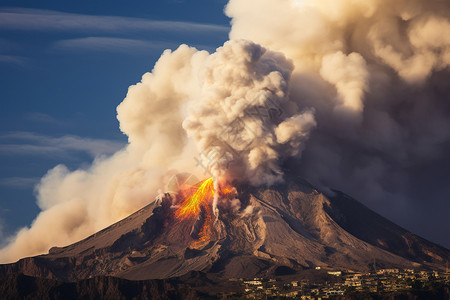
x=65 y=66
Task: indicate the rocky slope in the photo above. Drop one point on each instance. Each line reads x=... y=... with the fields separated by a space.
x=285 y=228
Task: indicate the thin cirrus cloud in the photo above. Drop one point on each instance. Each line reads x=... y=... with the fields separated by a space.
x=110 y=44
x=6 y=48
x=49 y=20
x=28 y=143
x=19 y=182
x=13 y=59
x=39 y=117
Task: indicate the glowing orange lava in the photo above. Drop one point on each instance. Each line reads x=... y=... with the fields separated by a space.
x=198 y=201
x=191 y=206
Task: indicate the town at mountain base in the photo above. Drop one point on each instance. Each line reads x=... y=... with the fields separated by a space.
x=277 y=232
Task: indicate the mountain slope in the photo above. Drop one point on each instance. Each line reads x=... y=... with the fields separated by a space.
x=284 y=228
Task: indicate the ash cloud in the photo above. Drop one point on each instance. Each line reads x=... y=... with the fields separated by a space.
x=192 y=102
x=241 y=116
x=376 y=73
x=355 y=91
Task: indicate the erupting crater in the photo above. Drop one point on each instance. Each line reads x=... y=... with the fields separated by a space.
x=207 y=229
x=198 y=204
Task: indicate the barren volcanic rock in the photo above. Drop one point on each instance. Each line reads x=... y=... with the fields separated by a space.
x=285 y=228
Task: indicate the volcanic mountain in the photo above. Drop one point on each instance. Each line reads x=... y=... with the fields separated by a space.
x=282 y=229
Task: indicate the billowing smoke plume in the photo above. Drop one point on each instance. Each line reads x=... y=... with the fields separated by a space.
x=376 y=72
x=228 y=111
x=355 y=90
x=242 y=119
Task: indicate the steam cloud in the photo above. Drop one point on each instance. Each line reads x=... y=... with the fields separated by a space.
x=238 y=119
x=354 y=90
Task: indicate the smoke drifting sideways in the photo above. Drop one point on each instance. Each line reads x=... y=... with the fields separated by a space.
x=194 y=105
x=377 y=74
x=354 y=90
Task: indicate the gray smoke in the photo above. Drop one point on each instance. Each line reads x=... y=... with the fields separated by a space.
x=356 y=91
x=376 y=73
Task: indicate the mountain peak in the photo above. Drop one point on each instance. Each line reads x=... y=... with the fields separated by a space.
x=291 y=226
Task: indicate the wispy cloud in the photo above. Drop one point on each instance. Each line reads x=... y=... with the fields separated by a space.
x=19 y=182
x=41 y=118
x=6 y=48
x=27 y=143
x=48 y=20
x=13 y=59
x=109 y=44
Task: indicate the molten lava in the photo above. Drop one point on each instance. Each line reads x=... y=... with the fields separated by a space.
x=198 y=201
x=191 y=206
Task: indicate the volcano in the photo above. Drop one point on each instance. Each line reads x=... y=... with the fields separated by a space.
x=278 y=230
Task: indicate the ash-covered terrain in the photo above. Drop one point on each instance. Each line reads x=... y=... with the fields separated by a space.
x=286 y=228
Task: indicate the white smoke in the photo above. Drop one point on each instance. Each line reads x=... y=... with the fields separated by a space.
x=343 y=38
x=76 y=204
x=240 y=119
x=191 y=103
x=354 y=87
x=376 y=73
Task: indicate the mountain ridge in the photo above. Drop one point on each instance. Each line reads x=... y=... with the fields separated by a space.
x=290 y=225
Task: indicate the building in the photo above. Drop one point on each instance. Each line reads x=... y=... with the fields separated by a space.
x=335 y=273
